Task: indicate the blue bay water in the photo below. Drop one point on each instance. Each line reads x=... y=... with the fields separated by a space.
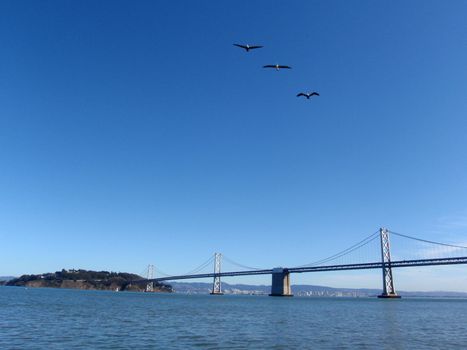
x=72 y=319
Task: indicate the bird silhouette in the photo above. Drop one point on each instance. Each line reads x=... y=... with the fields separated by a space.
x=277 y=66
x=248 y=47
x=308 y=94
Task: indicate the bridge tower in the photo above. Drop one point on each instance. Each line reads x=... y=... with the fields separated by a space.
x=388 y=282
x=216 y=285
x=150 y=276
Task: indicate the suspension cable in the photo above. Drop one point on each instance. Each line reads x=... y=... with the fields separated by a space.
x=339 y=255
x=356 y=246
x=427 y=241
x=239 y=265
x=143 y=273
x=200 y=267
x=197 y=269
x=160 y=272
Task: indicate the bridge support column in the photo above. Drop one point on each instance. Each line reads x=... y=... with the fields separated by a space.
x=150 y=275
x=389 y=291
x=280 y=283
x=216 y=285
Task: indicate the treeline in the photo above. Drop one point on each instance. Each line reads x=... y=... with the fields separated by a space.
x=81 y=275
x=85 y=279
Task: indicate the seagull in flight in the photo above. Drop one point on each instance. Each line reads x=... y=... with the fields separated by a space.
x=308 y=94
x=277 y=66
x=248 y=47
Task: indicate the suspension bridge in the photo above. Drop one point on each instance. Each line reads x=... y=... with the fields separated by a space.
x=373 y=252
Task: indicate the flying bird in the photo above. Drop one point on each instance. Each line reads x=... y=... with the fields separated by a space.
x=276 y=66
x=248 y=47
x=308 y=94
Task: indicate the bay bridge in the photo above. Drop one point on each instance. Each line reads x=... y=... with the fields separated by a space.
x=430 y=253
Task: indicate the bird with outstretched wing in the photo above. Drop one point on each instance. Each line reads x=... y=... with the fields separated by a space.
x=308 y=94
x=277 y=66
x=248 y=47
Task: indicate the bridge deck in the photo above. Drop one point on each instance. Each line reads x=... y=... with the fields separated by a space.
x=363 y=266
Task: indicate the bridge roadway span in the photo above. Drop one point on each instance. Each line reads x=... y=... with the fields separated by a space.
x=363 y=266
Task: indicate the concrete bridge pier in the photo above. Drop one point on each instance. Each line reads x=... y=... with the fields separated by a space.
x=280 y=283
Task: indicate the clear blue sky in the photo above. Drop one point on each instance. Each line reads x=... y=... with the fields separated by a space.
x=135 y=133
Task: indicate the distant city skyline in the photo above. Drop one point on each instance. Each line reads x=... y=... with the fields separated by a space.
x=136 y=133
